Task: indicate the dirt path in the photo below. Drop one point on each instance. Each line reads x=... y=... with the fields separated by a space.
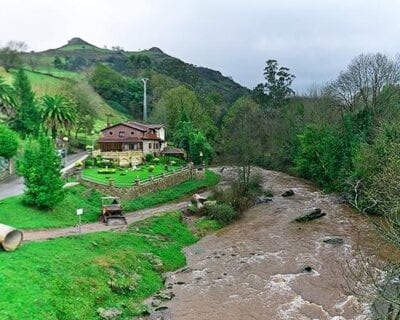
x=97 y=226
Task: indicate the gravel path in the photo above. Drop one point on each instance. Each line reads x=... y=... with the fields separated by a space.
x=131 y=217
x=41 y=235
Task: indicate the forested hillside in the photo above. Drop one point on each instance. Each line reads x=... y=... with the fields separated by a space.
x=115 y=75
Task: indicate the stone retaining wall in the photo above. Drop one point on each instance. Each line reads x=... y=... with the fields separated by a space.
x=7 y=168
x=151 y=186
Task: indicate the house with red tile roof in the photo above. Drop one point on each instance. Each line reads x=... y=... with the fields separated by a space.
x=127 y=143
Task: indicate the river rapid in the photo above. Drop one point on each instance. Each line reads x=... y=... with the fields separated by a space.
x=257 y=267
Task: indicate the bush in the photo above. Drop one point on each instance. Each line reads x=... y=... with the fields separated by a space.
x=149 y=157
x=256 y=184
x=156 y=160
x=222 y=213
x=107 y=171
x=8 y=142
x=89 y=163
x=235 y=196
x=151 y=168
x=97 y=160
x=176 y=161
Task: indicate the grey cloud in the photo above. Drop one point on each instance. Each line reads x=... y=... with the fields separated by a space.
x=314 y=38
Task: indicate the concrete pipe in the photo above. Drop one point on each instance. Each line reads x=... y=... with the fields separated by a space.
x=10 y=238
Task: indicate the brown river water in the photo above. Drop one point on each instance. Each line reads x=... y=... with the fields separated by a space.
x=254 y=269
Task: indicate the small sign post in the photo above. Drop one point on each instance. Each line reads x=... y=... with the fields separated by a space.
x=79 y=213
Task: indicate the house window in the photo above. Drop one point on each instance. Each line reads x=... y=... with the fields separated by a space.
x=110 y=133
x=150 y=145
x=121 y=134
x=132 y=132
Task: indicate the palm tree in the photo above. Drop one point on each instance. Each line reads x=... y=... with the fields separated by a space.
x=58 y=113
x=7 y=99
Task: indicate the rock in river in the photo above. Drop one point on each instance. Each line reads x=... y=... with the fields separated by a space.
x=288 y=193
x=334 y=241
x=311 y=215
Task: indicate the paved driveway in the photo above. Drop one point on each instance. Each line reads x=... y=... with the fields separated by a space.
x=14 y=185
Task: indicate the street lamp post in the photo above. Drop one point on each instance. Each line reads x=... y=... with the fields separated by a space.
x=65 y=139
x=144 y=80
x=202 y=159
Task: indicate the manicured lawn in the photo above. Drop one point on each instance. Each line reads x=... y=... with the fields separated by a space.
x=125 y=177
x=13 y=212
x=70 y=278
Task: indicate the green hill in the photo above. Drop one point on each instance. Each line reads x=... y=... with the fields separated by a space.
x=77 y=63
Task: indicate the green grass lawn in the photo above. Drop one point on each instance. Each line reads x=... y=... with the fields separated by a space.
x=171 y=194
x=13 y=212
x=70 y=278
x=125 y=177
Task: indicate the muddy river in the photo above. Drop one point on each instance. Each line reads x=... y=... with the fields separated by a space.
x=267 y=267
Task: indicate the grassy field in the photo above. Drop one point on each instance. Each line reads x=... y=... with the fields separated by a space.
x=171 y=194
x=70 y=278
x=13 y=212
x=125 y=177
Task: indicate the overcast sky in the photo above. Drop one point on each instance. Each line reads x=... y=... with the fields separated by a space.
x=316 y=39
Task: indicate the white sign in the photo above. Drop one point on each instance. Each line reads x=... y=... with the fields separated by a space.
x=79 y=212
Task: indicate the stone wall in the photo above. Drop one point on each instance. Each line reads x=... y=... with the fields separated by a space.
x=7 y=168
x=151 y=186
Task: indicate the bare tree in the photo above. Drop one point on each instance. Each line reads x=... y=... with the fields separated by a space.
x=242 y=137
x=10 y=55
x=363 y=80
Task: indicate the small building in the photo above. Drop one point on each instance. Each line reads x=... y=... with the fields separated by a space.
x=128 y=143
x=173 y=152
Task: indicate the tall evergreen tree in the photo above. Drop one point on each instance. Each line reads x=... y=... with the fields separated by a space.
x=40 y=167
x=28 y=116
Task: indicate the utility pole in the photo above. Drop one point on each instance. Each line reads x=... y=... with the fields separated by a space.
x=145 y=99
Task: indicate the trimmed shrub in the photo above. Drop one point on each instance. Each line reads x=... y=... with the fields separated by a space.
x=156 y=160
x=89 y=163
x=222 y=213
x=107 y=171
x=176 y=161
x=149 y=157
x=151 y=168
